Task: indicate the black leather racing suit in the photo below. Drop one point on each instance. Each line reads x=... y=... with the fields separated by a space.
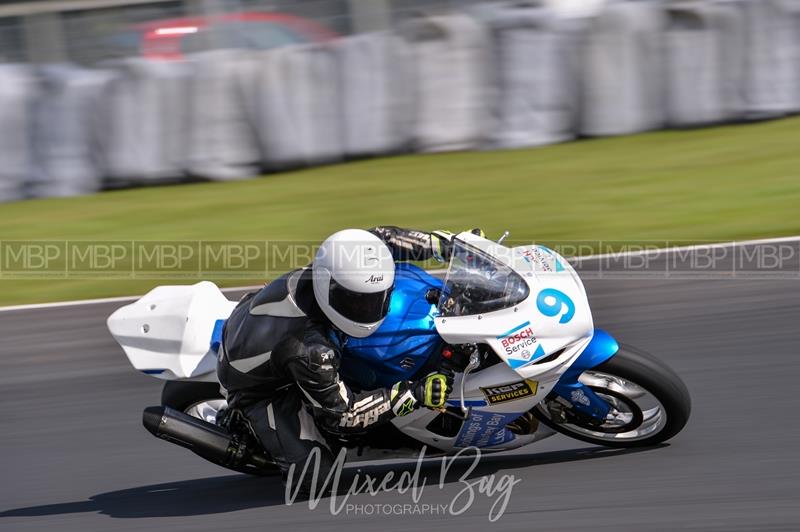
x=280 y=368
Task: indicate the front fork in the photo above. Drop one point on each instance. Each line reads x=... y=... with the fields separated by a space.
x=575 y=395
x=582 y=399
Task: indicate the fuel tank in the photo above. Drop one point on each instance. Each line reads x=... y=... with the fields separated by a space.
x=403 y=343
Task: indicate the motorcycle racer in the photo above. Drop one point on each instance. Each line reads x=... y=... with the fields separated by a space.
x=280 y=366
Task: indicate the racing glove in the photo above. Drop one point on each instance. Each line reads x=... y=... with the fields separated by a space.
x=431 y=392
x=401 y=399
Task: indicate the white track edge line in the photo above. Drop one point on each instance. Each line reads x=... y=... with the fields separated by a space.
x=82 y=302
x=649 y=251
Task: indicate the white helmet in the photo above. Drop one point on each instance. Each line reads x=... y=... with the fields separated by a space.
x=353 y=281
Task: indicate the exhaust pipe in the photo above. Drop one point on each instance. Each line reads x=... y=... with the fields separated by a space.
x=209 y=441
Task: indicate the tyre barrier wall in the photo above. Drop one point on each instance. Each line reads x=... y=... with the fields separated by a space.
x=17 y=93
x=296 y=105
x=622 y=70
x=534 y=72
x=499 y=75
x=772 y=57
x=703 y=47
x=450 y=78
x=144 y=121
x=64 y=142
x=376 y=95
x=222 y=134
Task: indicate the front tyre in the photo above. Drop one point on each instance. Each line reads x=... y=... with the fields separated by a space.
x=650 y=403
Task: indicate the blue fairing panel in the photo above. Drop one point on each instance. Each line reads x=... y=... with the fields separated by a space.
x=601 y=347
x=405 y=340
x=216 y=334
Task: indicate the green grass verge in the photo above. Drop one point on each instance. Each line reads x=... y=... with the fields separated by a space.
x=720 y=183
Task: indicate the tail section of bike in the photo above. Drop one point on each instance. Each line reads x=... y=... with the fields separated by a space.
x=168 y=333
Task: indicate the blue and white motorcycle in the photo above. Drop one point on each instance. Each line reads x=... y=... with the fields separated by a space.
x=514 y=323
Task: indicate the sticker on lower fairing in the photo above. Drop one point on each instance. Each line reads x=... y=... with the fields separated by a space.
x=486 y=429
x=510 y=392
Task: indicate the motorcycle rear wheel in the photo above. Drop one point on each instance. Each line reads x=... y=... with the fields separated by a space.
x=198 y=399
x=650 y=403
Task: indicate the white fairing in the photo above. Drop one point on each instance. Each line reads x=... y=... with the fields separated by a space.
x=167 y=332
x=521 y=335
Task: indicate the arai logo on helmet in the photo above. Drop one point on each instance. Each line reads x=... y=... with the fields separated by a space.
x=374 y=279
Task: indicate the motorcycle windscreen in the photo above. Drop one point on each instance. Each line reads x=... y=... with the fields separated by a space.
x=478 y=283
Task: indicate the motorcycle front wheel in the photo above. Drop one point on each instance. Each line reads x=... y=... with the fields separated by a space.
x=649 y=403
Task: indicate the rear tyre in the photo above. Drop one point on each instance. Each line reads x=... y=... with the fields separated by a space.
x=182 y=395
x=650 y=403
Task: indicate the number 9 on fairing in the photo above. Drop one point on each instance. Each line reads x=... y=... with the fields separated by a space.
x=551 y=302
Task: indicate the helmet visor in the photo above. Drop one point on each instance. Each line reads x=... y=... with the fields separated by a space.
x=358 y=306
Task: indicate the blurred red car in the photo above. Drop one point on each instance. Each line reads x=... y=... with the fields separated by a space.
x=171 y=39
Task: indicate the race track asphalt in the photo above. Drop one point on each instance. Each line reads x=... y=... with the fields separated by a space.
x=75 y=457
